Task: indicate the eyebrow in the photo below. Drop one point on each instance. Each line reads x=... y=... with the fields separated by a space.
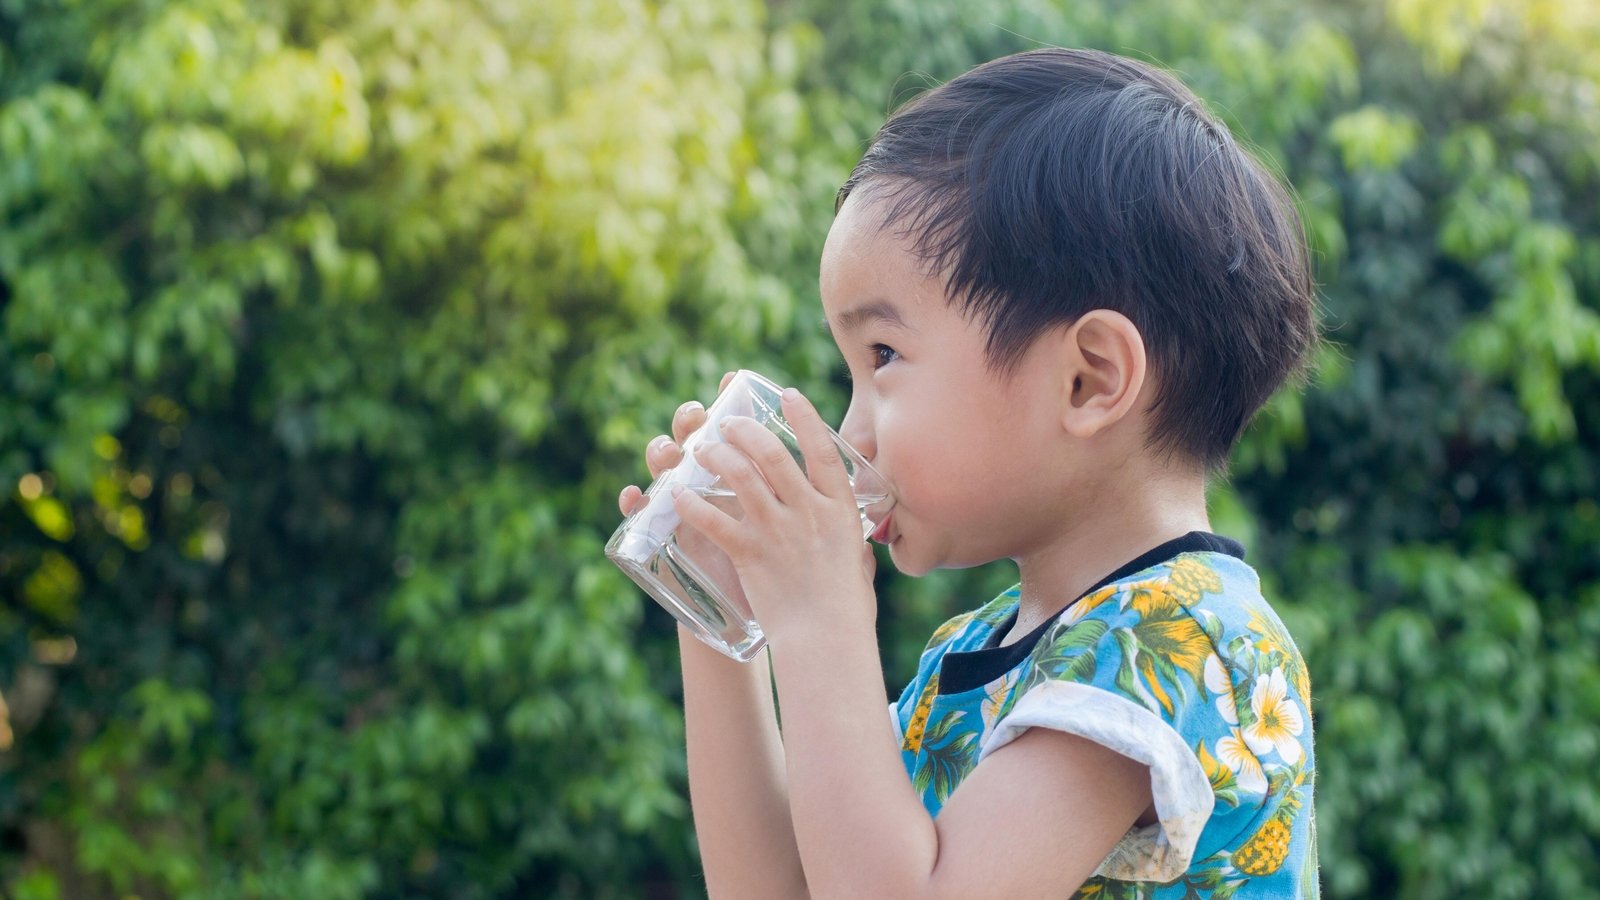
x=877 y=310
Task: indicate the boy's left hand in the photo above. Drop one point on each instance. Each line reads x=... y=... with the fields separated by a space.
x=798 y=550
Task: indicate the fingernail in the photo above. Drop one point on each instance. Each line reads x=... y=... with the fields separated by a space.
x=657 y=442
x=791 y=394
x=692 y=405
x=676 y=490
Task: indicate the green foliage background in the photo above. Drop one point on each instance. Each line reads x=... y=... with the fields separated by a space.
x=328 y=333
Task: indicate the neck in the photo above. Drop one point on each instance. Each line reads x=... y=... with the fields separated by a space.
x=1148 y=511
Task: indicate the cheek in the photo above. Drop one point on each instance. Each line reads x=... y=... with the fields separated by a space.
x=945 y=462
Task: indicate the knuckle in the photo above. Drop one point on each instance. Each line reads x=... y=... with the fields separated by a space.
x=828 y=455
x=741 y=469
x=774 y=453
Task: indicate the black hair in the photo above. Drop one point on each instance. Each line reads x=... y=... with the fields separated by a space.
x=1050 y=183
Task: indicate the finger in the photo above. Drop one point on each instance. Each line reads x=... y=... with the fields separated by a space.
x=689 y=417
x=717 y=526
x=772 y=459
x=662 y=454
x=724 y=383
x=739 y=473
x=630 y=500
x=824 y=466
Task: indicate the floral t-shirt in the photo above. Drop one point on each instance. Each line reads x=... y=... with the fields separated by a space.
x=1175 y=661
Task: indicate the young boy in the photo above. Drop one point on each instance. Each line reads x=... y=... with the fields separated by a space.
x=1062 y=291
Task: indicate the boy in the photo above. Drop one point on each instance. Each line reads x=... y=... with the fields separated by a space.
x=1061 y=291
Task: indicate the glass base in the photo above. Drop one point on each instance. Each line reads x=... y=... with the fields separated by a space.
x=682 y=589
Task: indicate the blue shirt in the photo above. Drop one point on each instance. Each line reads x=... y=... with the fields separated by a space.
x=1175 y=661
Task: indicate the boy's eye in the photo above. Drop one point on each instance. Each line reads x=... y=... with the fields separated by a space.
x=882 y=355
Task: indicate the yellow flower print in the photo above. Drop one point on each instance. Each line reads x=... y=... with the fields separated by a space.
x=1269 y=637
x=1235 y=753
x=1177 y=641
x=1151 y=599
x=949 y=628
x=1272 y=637
x=1218 y=774
x=1278 y=721
x=1086 y=604
x=1168 y=641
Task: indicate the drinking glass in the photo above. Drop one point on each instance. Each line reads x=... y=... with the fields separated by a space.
x=679 y=567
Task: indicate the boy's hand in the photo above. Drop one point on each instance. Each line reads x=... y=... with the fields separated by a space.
x=798 y=550
x=664 y=452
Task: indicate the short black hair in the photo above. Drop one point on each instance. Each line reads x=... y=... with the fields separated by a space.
x=1052 y=182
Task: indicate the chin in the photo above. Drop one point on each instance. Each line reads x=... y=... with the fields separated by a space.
x=907 y=563
x=910 y=564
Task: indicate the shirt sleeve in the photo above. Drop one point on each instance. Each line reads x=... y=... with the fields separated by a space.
x=1126 y=667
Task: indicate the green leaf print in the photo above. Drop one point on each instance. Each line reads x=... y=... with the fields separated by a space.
x=946 y=759
x=995 y=612
x=1244 y=659
x=1228 y=889
x=1223 y=782
x=1070 y=657
x=1155 y=669
x=1210 y=623
x=948 y=629
x=1102 y=888
x=1124 y=679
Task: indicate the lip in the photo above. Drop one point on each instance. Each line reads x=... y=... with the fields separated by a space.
x=881 y=533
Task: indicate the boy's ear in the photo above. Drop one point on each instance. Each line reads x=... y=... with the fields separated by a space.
x=1103 y=371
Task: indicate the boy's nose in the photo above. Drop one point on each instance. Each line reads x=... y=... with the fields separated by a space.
x=856 y=429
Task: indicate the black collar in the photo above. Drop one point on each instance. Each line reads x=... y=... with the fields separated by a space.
x=964 y=670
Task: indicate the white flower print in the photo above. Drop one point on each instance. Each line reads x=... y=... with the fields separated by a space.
x=1236 y=755
x=994 y=700
x=1278 y=721
x=1217 y=683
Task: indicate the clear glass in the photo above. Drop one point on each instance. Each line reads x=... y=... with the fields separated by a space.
x=683 y=570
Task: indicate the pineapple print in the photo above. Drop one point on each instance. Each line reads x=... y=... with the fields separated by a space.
x=919 y=716
x=1266 y=850
x=1192 y=579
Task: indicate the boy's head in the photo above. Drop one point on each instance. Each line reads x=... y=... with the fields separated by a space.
x=1044 y=185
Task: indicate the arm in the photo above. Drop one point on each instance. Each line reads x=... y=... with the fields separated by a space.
x=1047 y=798
x=736 y=776
x=736 y=767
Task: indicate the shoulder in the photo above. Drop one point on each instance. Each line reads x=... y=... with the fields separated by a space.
x=970 y=629
x=1224 y=596
x=1182 y=610
x=1193 y=642
x=1185 y=666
